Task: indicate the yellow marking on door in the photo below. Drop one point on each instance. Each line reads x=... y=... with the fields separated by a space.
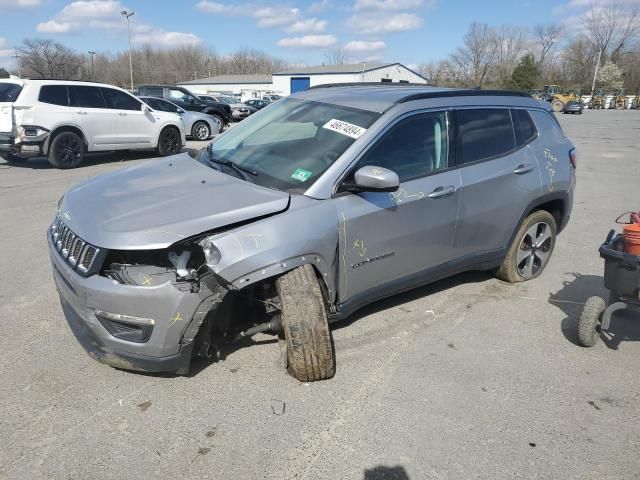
x=175 y=319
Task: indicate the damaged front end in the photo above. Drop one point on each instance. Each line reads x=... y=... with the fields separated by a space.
x=138 y=310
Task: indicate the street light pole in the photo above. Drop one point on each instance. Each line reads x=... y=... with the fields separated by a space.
x=18 y=64
x=93 y=70
x=128 y=14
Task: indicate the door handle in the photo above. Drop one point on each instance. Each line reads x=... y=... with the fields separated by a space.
x=443 y=191
x=523 y=168
x=81 y=113
x=122 y=114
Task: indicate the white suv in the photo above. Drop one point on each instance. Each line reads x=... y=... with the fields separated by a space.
x=64 y=120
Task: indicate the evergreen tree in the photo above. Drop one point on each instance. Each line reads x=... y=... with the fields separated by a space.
x=526 y=75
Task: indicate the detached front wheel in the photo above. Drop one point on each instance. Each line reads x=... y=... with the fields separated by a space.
x=307 y=338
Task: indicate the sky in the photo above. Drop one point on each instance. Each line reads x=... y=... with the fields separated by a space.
x=406 y=31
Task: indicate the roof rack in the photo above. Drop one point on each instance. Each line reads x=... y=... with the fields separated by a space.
x=370 y=84
x=462 y=93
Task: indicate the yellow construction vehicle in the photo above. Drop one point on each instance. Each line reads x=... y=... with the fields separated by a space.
x=597 y=101
x=619 y=100
x=636 y=101
x=558 y=98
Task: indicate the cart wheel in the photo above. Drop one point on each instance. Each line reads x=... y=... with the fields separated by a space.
x=588 y=323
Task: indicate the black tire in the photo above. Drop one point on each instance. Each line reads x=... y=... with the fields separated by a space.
x=201 y=130
x=67 y=150
x=169 y=142
x=525 y=253
x=306 y=329
x=589 y=319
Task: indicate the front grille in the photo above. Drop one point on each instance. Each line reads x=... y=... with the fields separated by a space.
x=76 y=252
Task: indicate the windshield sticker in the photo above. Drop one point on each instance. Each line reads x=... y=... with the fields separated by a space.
x=345 y=128
x=301 y=175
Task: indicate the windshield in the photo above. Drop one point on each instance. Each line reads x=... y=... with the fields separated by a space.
x=9 y=92
x=290 y=144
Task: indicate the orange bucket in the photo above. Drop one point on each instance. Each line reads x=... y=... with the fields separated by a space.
x=631 y=238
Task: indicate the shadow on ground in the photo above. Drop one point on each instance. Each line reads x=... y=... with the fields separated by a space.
x=414 y=294
x=625 y=325
x=382 y=472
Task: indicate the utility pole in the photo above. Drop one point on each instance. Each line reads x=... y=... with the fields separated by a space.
x=595 y=74
x=128 y=14
x=93 y=70
x=18 y=64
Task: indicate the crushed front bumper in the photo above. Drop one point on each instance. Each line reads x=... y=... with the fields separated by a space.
x=10 y=144
x=176 y=317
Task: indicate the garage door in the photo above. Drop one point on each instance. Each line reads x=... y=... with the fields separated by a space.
x=300 y=83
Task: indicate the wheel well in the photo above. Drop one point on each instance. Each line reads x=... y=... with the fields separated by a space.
x=555 y=208
x=58 y=131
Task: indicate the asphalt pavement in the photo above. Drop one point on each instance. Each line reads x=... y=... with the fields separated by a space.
x=468 y=378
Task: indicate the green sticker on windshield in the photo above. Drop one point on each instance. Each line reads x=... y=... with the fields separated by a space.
x=301 y=175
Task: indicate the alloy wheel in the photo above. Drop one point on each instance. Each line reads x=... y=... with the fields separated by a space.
x=534 y=250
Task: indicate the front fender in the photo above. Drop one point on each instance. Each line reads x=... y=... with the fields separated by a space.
x=306 y=233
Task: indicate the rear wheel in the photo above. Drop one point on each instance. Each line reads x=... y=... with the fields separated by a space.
x=557 y=105
x=67 y=150
x=307 y=338
x=531 y=249
x=588 y=323
x=201 y=130
x=169 y=142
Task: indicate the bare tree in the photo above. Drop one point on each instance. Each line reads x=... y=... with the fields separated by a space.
x=612 y=29
x=476 y=58
x=336 y=55
x=511 y=44
x=49 y=59
x=546 y=39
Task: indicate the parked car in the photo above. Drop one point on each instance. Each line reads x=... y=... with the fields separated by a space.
x=574 y=107
x=64 y=120
x=271 y=98
x=188 y=101
x=327 y=201
x=197 y=125
x=257 y=103
x=239 y=110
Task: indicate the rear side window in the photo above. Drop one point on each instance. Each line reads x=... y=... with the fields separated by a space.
x=54 y=95
x=161 y=105
x=152 y=91
x=119 y=100
x=484 y=133
x=525 y=129
x=86 y=97
x=9 y=92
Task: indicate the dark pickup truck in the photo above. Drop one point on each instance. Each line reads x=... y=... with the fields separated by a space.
x=187 y=100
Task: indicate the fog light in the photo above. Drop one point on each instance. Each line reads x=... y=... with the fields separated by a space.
x=30 y=148
x=126 y=327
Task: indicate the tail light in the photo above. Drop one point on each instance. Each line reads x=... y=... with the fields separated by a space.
x=572 y=157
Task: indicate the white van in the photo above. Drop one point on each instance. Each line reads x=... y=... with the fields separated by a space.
x=64 y=120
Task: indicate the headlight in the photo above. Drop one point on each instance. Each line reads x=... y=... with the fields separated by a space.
x=31 y=131
x=212 y=254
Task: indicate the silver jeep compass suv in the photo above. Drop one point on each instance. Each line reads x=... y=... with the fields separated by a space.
x=310 y=209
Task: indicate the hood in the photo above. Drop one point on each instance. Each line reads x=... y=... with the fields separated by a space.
x=161 y=202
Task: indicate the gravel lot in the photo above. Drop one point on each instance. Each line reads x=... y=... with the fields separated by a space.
x=466 y=378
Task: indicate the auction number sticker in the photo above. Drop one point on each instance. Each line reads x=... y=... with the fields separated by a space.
x=301 y=175
x=345 y=128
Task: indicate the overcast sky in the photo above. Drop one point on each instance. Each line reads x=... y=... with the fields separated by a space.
x=408 y=31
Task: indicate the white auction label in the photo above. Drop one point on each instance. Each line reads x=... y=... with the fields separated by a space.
x=345 y=128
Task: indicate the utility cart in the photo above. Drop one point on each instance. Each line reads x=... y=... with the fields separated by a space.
x=622 y=279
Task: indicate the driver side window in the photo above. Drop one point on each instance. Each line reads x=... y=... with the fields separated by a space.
x=414 y=147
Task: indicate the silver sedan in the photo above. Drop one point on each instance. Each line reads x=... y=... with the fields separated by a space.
x=197 y=125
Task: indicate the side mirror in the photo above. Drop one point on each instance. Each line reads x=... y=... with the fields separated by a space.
x=376 y=179
x=145 y=108
x=191 y=100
